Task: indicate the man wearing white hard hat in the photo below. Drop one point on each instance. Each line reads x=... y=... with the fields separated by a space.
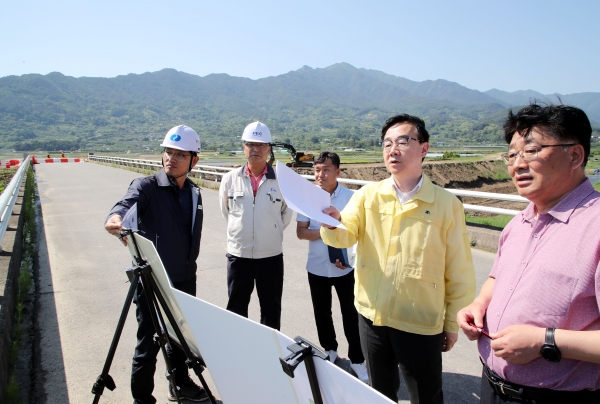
x=169 y=208
x=256 y=215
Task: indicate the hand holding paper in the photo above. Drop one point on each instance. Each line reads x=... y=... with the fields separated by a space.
x=304 y=197
x=333 y=212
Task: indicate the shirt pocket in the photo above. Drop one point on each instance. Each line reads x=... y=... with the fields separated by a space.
x=553 y=293
x=379 y=222
x=275 y=202
x=235 y=200
x=423 y=236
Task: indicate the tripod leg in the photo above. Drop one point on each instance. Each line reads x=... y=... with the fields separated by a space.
x=161 y=334
x=193 y=362
x=198 y=371
x=104 y=380
x=313 y=380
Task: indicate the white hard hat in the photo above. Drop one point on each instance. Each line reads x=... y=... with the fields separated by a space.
x=257 y=132
x=182 y=138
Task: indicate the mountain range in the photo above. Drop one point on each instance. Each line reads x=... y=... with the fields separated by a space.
x=336 y=105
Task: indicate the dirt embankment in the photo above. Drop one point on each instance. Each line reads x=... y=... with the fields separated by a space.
x=485 y=176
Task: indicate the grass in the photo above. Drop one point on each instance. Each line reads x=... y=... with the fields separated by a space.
x=6 y=175
x=12 y=391
x=499 y=221
x=501 y=173
x=597 y=186
x=24 y=283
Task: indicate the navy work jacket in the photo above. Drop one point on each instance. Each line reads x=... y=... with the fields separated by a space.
x=160 y=220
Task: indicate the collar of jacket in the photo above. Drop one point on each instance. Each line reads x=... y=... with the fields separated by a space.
x=163 y=180
x=425 y=193
x=270 y=175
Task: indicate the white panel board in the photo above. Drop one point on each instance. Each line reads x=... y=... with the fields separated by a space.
x=150 y=254
x=243 y=356
x=243 y=360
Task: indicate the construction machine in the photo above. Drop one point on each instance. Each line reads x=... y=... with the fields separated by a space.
x=299 y=159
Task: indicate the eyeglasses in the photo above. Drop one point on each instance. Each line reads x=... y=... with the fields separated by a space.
x=530 y=152
x=401 y=142
x=176 y=156
x=256 y=145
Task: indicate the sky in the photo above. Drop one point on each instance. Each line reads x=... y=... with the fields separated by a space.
x=548 y=46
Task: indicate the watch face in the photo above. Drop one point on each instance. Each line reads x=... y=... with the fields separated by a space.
x=550 y=353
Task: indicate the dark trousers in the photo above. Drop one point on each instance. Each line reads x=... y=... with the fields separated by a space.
x=419 y=358
x=268 y=275
x=144 y=357
x=320 y=293
x=490 y=396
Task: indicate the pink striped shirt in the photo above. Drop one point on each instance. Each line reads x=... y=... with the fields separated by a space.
x=548 y=275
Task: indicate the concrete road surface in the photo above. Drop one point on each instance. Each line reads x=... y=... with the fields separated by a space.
x=83 y=288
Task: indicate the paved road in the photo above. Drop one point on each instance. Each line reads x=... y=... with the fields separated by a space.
x=83 y=287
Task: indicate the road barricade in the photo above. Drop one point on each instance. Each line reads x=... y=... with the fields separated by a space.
x=34 y=160
x=10 y=163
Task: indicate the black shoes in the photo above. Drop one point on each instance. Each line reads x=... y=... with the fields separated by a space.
x=189 y=392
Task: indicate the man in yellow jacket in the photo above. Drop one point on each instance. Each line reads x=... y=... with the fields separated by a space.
x=414 y=268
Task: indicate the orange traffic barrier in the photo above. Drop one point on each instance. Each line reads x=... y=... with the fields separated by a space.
x=8 y=164
x=64 y=160
x=49 y=160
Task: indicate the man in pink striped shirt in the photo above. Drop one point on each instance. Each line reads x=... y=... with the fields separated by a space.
x=541 y=302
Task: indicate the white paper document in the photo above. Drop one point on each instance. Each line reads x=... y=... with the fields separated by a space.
x=130 y=221
x=304 y=197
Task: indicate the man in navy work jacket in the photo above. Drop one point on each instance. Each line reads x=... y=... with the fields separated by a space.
x=256 y=216
x=170 y=215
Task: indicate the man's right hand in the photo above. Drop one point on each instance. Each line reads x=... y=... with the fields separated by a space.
x=339 y=265
x=472 y=314
x=114 y=225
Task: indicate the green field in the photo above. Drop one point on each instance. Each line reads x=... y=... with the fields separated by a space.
x=499 y=221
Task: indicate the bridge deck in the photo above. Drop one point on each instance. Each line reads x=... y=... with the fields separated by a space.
x=83 y=287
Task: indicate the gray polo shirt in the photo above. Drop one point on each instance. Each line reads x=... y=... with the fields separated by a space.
x=318 y=255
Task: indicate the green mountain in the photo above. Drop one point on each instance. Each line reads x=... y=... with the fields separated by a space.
x=334 y=106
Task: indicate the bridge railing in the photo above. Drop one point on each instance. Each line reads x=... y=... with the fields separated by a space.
x=205 y=171
x=9 y=197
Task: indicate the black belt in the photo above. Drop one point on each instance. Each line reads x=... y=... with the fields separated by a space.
x=525 y=393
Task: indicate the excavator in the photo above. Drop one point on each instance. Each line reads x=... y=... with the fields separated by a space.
x=299 y=159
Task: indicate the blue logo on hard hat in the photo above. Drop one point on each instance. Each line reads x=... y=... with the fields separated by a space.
x=175 y=137
x=257 y=133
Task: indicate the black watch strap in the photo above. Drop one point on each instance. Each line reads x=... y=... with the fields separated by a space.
x=550 y=336
x=550 y=351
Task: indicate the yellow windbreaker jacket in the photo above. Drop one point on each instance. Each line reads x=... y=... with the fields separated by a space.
x=414 y=268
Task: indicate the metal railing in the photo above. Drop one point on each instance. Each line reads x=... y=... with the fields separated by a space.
x=9 y=197
x=216 y=171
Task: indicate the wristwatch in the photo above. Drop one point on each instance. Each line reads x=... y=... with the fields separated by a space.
x=549 y=350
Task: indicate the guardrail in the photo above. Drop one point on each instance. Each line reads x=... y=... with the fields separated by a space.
x=9 y=197
x=217 y=171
